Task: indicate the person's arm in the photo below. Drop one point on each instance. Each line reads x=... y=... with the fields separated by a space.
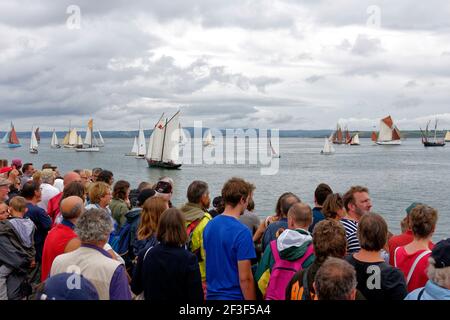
x=136 y=281
x=246 y=280
x=259 y=232
x=72 y=245
x=45 y=220
x=118 y=288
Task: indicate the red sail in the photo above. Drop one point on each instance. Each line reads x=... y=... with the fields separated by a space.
x=339 y=135
x=374 y=136
x=348 y=139
x=395 y=134
x=13 y=137
x=388 y=121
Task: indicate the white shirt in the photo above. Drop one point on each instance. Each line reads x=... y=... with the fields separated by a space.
x=48 y=191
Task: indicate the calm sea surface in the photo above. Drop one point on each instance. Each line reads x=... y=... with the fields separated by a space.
x=395 y=175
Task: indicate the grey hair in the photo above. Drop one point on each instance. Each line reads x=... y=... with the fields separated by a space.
x=94 y=225
x=440 y=276
x=47 y=176
x=335 y=280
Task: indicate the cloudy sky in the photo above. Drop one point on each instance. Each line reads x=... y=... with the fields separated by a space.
x=286 y=64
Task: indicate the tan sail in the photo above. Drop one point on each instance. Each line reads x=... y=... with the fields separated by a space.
x=447 y=136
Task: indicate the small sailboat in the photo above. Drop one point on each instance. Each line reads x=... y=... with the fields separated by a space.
x=426 y=140
x=13 y=140
x=142 y=149
x=54 y=144
x=88 y=145
x=354 y=140
x=71 y=139
x=327 y=147
x=33 y=142
x=208 y=141
x=447 y=136
x=272 y=150
x=338 y=137
x=389 y=133
x=183 y=137
x=163 y=148
x=100 y=143
x=38 y=135
x=134 y=149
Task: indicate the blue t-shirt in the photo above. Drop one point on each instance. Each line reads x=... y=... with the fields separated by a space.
x=226 y=241
x=317 y=217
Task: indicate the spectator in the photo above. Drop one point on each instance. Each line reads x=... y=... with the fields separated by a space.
x=335 y=280
x=53 y=203
x=169 y=272
x=4 y=189
x=333 y=207
x=412 y=259
x=95 y=173
x=27 y=173
x=164 y=189
x=135 y=192
x=72 y=189
x=218 y=206
x=95 y=264
x=106 y=176
x=55 y=288
x=249 y=218
x=4 y=211
x=320 y=194
x=47 y=189
x=120 y=203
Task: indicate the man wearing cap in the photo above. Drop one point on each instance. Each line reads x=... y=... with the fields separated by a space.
x=438 y=285
x=47 y=188
x=404 y=238
x=4 y=189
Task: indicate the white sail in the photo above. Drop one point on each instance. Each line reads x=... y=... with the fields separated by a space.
x=73 y=137
x=134 y=150
x=54 y=142
x=101 y=138
x=171 y=139
x=88 y=138
x=355 y=139
x=79 y=140
x=328 y=147
x=96 y=141
x=156 y=142
x=183 y=137
x=5 y=138
x=447 y=136
x=141 y=142
x=33 y=141
x=385 y=132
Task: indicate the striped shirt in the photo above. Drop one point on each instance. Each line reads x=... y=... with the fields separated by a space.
x=351 y=228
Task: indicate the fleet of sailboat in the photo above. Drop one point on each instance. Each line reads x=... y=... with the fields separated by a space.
x=88 y=144
x=389 y=133
x=163 y=148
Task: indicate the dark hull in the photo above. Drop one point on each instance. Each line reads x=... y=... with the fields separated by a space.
x=434 y=144
x=163 y=165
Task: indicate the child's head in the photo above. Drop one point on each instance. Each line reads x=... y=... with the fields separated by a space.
x=4 y=213
x=18 y=206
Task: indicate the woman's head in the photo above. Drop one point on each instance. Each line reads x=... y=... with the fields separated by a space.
x=74 y=189
x=422 y=221
x=100 y=193
x=151 y=212
x=171 y=228
x=121 y=190
x=372 y=232
x=333 y=207
x=329 y=240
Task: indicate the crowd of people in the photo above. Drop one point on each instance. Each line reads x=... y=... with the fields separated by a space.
x=84 y=236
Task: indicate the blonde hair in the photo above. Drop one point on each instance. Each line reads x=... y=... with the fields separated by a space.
x=97 y=191
x=18 y=204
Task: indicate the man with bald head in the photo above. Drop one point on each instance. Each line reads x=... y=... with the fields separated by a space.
x=62 y=238
x=53 y=203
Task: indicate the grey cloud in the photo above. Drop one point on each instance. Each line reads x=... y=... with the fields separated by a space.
x=365 y=46
x=314 y=78
x=411 y=84
x=407 y=102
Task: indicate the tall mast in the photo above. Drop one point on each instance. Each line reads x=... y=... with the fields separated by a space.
x=164 y=140
x=435 y=128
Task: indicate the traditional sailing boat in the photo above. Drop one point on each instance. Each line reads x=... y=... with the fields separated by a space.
x=38 y=136
x=425 y=140
x=54 y=144
x=134 y=149
x=272 y=150
x=208 y=141
x=389 y=133
x=163 y=148
x=33 y=142
x=327 y=147
x=12 y=139
x=87 y=140
x=447 y=136
x=354 y=141
x=141 y=151
x=97 y=143
x=71 y=139
x=337 y=137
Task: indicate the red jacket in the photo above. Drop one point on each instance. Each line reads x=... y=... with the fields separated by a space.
x=53 y=206
x=400 y=241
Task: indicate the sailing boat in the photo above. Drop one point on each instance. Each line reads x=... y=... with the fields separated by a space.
x=141 y=151
x=447 y=136
x=327 y=147
x=272 y=150
x=348 y=138
x=389 y=133
x=208 y=139
x=354 y=141
x=71 y=139
x=38 y=136
x=425 y=140
x=13 y=141
x=338 y=138
x=33 y=142
x=163 y=148
x=134 y=150
x=102 y=142
x=87 y=140
x=54 y=144
x=183 y=137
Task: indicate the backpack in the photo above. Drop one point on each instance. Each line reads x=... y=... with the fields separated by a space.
x=190 y=231
x=282 y=272
x=120 y=241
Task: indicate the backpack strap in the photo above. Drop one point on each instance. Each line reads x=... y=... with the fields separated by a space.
x=307 y=254
x=306 y=294
x=414 y=265
x=192 y=226
x=273 y=246
x=395 y=257
x=420 y=293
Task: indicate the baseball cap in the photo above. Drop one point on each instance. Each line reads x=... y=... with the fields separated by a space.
x=144 y=195
x=163 y=187
x=68 y=286
x=412 y=206
x=441 y=254
x=4 y=182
